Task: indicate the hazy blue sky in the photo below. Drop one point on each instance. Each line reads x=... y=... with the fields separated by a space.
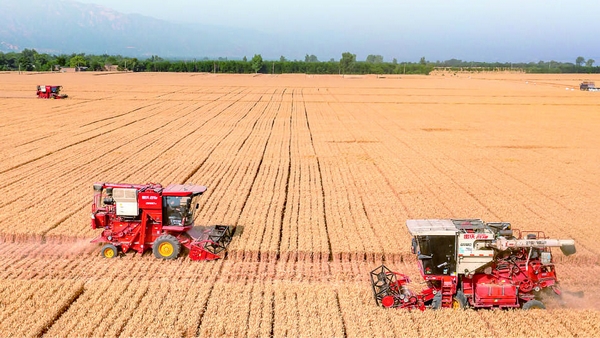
x=507 y=30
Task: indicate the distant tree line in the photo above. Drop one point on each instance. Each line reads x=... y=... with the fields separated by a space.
x=581 y=65
x=31 y=60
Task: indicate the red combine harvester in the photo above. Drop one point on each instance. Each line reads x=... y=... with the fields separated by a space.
x=50 y=92
x=139 y=217
x=469 y=263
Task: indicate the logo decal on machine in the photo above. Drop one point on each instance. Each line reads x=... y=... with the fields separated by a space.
x=475 y=236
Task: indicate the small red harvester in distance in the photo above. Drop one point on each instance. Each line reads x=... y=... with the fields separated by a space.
x=141 y=217
x=470 y=263
x=50 y=92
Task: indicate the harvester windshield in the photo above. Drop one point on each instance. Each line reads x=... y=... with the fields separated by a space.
x=179 y=210
x=436 y=254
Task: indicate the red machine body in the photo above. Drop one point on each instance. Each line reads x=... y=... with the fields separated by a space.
x=50 y=92
x=469 y=263
x=141 y=217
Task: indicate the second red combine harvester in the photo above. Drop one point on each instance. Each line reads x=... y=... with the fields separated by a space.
x=469 y=263
x=141 y=217
x=50 y=92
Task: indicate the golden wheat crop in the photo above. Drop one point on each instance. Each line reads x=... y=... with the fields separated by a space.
x=29 y=307
x=317 y=173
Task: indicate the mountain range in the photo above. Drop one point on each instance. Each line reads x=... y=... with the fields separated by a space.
x=69 y=26
x=66 y=26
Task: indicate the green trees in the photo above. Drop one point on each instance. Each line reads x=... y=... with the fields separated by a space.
x=347 y=62
x=78 y=61
x=590 y=63
x=111 y=60
x=375 y=59
x=95 y=65
x=42 y=62
x=31 y=60
x=61 y=60
x=27 y=59
x=9 y=61
x=311 y=58
x=257 y=63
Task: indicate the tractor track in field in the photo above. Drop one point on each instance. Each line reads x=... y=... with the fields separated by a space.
x=74 y=144
x=62 y=311
x=218 y=181
x=340 y=312
x=107 y=169
x=284 y=208
x=260 y=162
x=104 y=120
x=322 y=197
x=355 y=176
x=105 y=153
x=433 y=165
x=492 y=183
x=208 y=298
x=391 y=185
x=515 y=178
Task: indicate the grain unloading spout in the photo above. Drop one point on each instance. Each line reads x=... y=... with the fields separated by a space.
x=209 y=243
x=567 y=246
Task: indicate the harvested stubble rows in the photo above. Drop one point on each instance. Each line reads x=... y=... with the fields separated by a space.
x=317 y=173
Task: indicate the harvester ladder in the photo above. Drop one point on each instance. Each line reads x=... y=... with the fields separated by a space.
x=447 y=291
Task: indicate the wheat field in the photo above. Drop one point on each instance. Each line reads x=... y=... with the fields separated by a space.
x=317 y=173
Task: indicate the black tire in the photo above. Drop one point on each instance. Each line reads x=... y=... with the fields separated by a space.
x=533 y=304
x=459 y=301
x=109 y=251
x=436 y=303
x=166 y=247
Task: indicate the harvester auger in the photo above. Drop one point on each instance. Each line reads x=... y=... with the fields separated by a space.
x=470 y=263
x=50 y=92
x=141 y=217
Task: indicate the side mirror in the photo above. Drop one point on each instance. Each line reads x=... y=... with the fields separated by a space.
x=197 y=205
x=413 y=248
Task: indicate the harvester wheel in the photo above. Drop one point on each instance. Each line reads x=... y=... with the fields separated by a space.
x=459 y=301
x=109 y=251
x=166 y=247
x=533 y=304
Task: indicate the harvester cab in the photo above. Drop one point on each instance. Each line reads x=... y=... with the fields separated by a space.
x=470 y=263
x=50 y=92
x=140 y=217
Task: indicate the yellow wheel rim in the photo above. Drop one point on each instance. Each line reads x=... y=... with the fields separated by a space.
x=165 y=249
x=109 y=253
x=455 y=304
